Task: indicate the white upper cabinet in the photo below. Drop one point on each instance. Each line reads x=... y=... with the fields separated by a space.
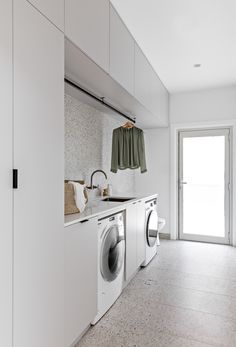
x=121 y=52
x=87 y=26
x=102 y=56
x=143 y=76
x=6 y=173
x=52 y=9
x=159 y=99
x=149 y=90
x=38 y=201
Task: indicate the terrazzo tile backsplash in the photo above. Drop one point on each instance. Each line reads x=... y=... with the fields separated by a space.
x=88 y=143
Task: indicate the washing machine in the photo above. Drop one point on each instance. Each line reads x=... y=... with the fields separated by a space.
x=151 y=231
x=111 y=256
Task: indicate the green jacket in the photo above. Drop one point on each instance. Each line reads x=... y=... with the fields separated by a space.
x=128 y=149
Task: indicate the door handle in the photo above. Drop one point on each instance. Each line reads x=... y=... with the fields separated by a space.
x=182 y=183
x=15 y=179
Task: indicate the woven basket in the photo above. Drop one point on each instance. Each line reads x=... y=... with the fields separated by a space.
x=69 y=200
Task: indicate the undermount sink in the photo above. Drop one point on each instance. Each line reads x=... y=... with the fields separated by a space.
x=116 y=199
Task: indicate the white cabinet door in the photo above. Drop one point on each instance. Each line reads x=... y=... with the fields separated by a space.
x=143 y=76
x=81 y=247
x=140 y=232
x=6 y=173
x=38 y=201
x=159 y=99
x=135 y=237
x=149 y=90
x=87 y=26
x=131 y=241
x=121 y=52
x=52 y=9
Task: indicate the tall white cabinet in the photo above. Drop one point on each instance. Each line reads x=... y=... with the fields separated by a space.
x=6 y=173
x=38 y=202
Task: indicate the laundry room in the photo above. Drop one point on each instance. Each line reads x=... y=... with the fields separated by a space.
x=118 y=173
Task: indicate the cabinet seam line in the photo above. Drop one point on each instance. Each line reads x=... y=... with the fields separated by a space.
x=46 y=17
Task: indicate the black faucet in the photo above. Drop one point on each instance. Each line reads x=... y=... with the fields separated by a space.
x=91 y=180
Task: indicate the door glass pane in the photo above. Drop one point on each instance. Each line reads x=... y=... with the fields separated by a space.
x=204 y=191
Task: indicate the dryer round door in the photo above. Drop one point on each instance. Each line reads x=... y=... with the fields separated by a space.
x=112 y=254
x=152 y=228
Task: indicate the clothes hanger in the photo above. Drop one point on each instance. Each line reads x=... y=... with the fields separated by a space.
x=128 y=125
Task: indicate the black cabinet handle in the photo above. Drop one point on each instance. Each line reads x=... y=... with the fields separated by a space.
x=15 y=179
x=84 y=221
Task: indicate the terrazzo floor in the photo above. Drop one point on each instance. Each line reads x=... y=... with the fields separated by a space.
x=186 y=297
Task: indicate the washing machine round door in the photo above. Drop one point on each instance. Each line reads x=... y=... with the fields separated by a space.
x=112 y=254
x=152 y=228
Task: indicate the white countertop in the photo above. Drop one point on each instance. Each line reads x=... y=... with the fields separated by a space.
x=97 y=207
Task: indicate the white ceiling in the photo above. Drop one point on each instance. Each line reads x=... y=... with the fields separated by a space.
x=176 y=34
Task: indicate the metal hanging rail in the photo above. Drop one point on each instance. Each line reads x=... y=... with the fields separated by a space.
x=101 y=100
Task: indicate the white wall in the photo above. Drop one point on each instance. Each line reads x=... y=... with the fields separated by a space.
x=214 y=107
x=88 y=143
x=203 y=106
x=156 y=179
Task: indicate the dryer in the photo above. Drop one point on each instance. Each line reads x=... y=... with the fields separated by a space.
x=111 y=255
x=151 y=231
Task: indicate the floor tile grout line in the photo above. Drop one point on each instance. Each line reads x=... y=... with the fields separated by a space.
x=187 y=288
x=163 y=268
x=195 y=274
x=199 y=311
x=196 y=310
x=193 y=339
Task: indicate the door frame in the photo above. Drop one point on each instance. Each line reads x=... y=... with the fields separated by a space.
x=174 y=128
x=188 y=133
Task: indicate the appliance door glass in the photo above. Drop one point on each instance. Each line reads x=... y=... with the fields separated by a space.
x=112 y=254
x=152 y=228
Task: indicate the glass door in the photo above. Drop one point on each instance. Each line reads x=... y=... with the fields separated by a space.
x=204 y=185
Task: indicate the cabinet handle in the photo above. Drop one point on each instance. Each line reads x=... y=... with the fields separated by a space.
x=15 y=179
x=84 y=221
